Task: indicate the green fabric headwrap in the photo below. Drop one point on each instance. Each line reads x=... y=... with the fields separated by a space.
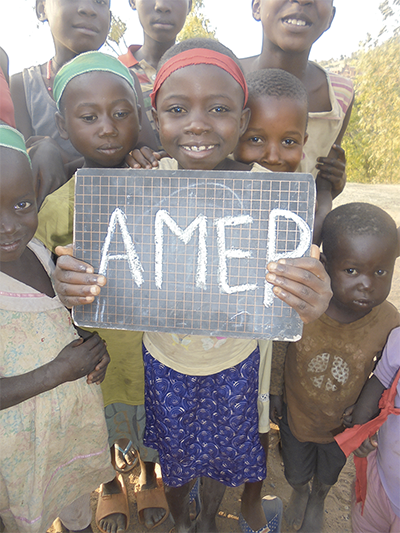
x=89 y=62
x=11 y=138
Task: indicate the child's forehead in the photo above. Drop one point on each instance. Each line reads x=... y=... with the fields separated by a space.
x=279 y=105
x=378 y=246
x=15 y=170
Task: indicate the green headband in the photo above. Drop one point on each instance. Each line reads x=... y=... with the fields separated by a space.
x=11 y=138
x=85 y=63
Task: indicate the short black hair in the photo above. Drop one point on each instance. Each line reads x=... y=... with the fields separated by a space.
x=357 y=218
x=197 y=42
x=277 y=83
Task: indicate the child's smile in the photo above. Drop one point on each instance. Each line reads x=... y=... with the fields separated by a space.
x=276 y=134
x=200 y=116
x=286 y=22
x=18 y=218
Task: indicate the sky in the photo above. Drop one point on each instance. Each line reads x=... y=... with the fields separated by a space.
x=28 y=42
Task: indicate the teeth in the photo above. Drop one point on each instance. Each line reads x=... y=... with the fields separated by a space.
x=198 y=148
x=296 y=22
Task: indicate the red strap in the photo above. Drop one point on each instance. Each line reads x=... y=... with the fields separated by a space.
x=353 y=437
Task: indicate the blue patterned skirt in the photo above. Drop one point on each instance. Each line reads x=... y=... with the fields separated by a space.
x=204 y=425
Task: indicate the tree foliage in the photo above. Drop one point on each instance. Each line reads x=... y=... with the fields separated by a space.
x=196 y=24
x=372 y=140
x=390 y=10
x=116 y=34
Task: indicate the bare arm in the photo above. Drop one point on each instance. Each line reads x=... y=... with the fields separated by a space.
x=324 y=206
x=333 y=167
x=76 y=360
x=147 y=136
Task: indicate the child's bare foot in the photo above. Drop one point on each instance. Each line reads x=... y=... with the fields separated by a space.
x=296 y=509
x=125 y=456
x=314 y=517
x=151 y=516
x=251 y=510
x=113 y=522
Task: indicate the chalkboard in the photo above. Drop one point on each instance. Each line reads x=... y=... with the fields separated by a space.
x=186 y=251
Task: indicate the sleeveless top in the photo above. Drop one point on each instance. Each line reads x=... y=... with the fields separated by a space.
x=42 y=109
x=324 y=127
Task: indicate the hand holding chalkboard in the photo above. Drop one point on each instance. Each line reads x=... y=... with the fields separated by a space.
x=75 y=281
x=187 y=251
x=302 y=283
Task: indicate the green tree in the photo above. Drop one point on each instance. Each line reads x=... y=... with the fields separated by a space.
x=372 y=140
x=116 y=35
x=196 y=24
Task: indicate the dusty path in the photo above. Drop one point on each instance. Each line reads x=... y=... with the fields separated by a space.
x=337 y=505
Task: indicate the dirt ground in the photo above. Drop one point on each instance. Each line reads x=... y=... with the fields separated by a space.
x=337 y=507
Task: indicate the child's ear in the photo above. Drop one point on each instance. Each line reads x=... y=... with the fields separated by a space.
x=41 y=10
x=155 y=118
x=255 y=5
x=132 y=3
x=244 y=120
x=60 y=121
x=305 y=138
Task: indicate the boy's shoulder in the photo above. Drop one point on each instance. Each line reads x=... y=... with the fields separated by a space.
x=342 y=88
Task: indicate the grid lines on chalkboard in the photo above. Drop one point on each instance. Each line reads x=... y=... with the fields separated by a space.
x=175 y=294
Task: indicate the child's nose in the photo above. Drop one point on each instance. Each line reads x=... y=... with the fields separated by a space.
x=197 y=124
x=8 y=224
x=271 y=154
x=162 y=5
x=107 y=127
x=86 y=7
x=366 y=283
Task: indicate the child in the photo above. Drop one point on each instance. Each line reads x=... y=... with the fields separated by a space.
x=274 y=139
x=289 y=31
x=276 y=134
x=76 y=27
x=326 y=370
x=98 y=113
x=377 y=508
x=161 y=23
x=200 y=125
x=54 y=448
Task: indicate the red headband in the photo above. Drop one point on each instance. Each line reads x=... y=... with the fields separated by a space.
x=199 y=56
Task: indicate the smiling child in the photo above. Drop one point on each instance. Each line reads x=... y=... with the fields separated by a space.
x=200 y=108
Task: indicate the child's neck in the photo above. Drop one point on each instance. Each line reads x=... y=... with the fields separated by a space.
x=152 y=50
x=339 y=312
x=29 y=270
x=272 y=56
